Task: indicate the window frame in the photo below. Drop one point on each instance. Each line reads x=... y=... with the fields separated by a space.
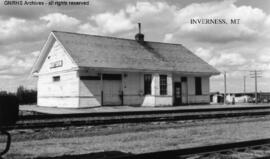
x=163 y=84
x=147 y=84
x=198 y=86
x=56 y=78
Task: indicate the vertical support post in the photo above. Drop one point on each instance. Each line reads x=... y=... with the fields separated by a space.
x=101 y=81
x=122 y=89
x=225 y=87
x=170 y=86
x=187 y=90
x=155 y=86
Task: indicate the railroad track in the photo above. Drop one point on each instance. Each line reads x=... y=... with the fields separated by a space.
x=106 y=118
x=254 y=149
x=227 y=150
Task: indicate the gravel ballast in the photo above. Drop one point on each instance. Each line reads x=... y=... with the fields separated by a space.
x=138 y=138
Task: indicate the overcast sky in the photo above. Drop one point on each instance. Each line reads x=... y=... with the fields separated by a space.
x=235 y=48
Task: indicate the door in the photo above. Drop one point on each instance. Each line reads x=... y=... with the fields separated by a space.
x=177 y=93
x=184 y=93
x=112 y=89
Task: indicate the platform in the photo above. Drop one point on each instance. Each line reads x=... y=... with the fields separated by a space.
x=54 y=110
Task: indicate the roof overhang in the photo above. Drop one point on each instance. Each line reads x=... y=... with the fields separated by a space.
x=43 y=53
x=103 y=69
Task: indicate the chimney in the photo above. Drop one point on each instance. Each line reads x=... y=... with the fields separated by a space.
x=139 y=36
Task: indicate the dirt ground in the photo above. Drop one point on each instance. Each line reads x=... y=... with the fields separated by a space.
x=133 y=138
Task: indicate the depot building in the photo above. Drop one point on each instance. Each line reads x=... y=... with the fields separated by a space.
x=79 y=70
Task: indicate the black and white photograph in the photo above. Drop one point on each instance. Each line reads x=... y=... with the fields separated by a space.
x=134 y=79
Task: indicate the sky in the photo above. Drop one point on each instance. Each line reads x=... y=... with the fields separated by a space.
x=234 y=48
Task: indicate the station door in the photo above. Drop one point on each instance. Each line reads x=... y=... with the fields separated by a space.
x=177 y=93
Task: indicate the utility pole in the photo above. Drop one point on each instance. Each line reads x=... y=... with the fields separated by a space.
x=225 y=87
x=256 y=74
x=244 y=84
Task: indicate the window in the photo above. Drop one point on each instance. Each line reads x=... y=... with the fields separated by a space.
x=198 y=85
x=163 y=84
x=56 y=78
x=147 y=83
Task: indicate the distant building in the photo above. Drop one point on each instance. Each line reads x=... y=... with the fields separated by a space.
x=79 y=70
x=249 y=97
x=216 y=97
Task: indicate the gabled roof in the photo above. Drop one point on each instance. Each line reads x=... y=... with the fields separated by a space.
x=109 y=52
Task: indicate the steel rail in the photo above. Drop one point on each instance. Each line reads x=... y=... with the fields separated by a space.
x=121 y=120
x=226 y=148
x=202 y=151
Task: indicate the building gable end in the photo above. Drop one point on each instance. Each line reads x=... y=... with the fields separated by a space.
x=53 y=57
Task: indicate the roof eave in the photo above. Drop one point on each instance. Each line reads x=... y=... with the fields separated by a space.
x=146 y=70
x=39 y=60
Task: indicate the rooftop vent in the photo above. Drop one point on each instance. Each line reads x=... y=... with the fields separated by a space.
x=139 y=36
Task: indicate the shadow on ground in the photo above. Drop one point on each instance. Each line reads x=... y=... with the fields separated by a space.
x=96 y=155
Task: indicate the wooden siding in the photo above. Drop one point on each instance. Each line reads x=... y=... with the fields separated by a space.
x=63 y=93
x=156 y=84
x=70 y=91
x=184 y=92
x=90 y=101
x=65 y=102
x=112 y=91
x=133 y=85
x=205 y=85
x=57 y=53
x=89 y=90
x=133 y=89
x=191 y=86
x=197 y=99
x=163 y=100
x=90 y=93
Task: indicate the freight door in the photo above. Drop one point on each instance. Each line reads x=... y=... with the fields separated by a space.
x=112 y=89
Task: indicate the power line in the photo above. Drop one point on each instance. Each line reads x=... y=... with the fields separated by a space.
x=225 y=87
x=244 y=84
x=256 y=74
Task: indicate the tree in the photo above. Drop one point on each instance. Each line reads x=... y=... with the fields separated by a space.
x=26 y=96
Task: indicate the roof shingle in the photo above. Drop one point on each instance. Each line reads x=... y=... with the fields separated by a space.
x=108 y=52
